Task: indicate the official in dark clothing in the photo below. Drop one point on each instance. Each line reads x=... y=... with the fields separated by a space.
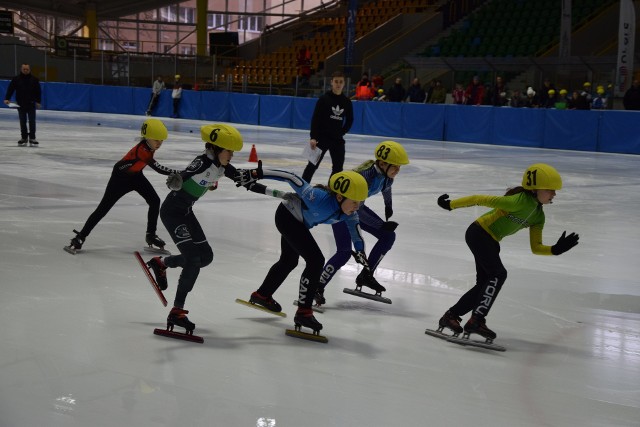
x=28 y=97
x=397 y=92
x=631 y=98
x=332 y=119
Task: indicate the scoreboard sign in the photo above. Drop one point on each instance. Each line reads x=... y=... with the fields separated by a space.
x=65 y=46
x=6 y=22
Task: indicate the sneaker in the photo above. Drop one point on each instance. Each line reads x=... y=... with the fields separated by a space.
x=304 y=317
x=33 y=142
x=477 y=325
x=22 y=141
x=365 y=278
x=178 y=317
x=452 y=322
x=266 y=302
x=160 y=271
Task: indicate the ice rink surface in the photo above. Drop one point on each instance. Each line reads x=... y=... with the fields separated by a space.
x=77 y=347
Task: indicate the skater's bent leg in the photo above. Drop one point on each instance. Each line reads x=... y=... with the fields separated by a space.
x=116 y=188
x=197 y=256
x=280 y=270
x=342 y=255
x=372 y=224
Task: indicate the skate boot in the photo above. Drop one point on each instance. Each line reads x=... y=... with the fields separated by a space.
x=266 y=302
x=160 y=271
x=33 y=142
x=22 y=142
x=477 y=325
x=452 y=322
x=319 y=297
x=365 y=278
x=76 y=243
x=304 y=317
x=178 y=317
x=153 y=240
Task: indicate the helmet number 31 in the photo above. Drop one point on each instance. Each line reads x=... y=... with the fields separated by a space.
x=531 y=177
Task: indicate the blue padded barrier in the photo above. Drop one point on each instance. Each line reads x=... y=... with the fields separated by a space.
x=244 y=108
x=66 y=97
x=4 y=85
x=303 y=112
x=276 y=111
x=213 y=106
x=112 y=99
x=358 y=113
x=381 y=118
x=468 y=124
x=619 y=132
x=522 y=127
x=571 y=130
x=422 y=121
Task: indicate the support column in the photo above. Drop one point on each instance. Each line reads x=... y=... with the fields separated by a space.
x=201 y=27
x=90 y=29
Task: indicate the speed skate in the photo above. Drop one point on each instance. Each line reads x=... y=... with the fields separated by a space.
x=297 y=333
x=151 y=279
x=466 y=341
x=185 y=336
x=358 y=293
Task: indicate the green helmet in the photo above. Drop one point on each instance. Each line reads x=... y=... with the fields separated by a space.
x=349 y=184
x=541 y=176
x=392 y=153
x=224 y=136
x=153 y=129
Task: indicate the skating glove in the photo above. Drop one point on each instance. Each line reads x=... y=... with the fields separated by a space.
x=174 y=181
x=388 y=212
x=247 y=176
x=390 y=226
x=444 y=202
x=565 y=243
x=361 y=258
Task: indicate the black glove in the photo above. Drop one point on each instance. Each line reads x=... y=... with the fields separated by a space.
x=361 y=258
x=174 y=181
x=444 y=202
x=247 y=176
x=565 y=243
x=388 y=212
x=389 y=226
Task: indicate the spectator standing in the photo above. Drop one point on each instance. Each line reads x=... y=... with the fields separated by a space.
x=543 y=93
x=532 y=100
x=599 y=102
x=475 y=92
x=498 y=93
x=28 y=97
x=158 y=87
x=176 y=95
x=364 y=89
x=631 y=100
x=332 y=118
x=561 y=101
x=552 y=98
x=415 y=92
x=397 y=92
x=458 y=94
x=517 y=101
x=438 y=94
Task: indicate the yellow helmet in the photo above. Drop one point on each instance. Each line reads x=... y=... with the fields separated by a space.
x=224 y=136
x=349 y=184
x=586 y=84
x=153 y=129
x=563 y=91
x=541 y=176
x=600 y=90
x=177 y=76
x=380 y=91
x=392 y=153
x=551 y=92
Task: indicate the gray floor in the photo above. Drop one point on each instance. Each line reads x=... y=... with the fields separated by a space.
x=77 y=342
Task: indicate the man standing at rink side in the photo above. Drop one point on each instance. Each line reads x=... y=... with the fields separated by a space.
x=332 y=118
x=28 y=98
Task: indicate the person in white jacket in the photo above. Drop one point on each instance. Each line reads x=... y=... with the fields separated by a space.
x=176 y=95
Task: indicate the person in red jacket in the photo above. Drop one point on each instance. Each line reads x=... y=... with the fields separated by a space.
x=126 y=177
x=475 y=92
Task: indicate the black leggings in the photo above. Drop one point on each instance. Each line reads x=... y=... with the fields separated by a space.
x=490 y=273
x=337 y=152
x=118 y=186
x=296 y=241
x=187 y=234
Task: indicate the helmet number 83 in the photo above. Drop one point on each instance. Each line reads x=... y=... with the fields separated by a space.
x=531 y=177
x=383 y=152
x=341 y=185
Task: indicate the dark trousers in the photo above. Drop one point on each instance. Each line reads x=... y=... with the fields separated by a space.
x=29 y=113
x=296 y=241
x=152 y=103
x=185 y=231
x=118 y=186
x=336 y=150
x=372 y=224
x=490 y=273
x=176 y=106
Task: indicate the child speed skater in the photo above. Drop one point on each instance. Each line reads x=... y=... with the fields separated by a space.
x=379 y=174
x=126 y=177
x=521 y=207
x=176 y=213
x=295 y=216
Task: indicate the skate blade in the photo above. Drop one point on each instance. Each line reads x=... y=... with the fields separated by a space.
x=153 y=250
x=315 y=307
x=440 y=334
x=306 y=336
x=257 y=307
x=70 y=250
x=178 y=335
x=152 y=281
x=366 y=295
x=475 y=343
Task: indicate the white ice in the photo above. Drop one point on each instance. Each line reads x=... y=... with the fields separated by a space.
x=76 y=339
